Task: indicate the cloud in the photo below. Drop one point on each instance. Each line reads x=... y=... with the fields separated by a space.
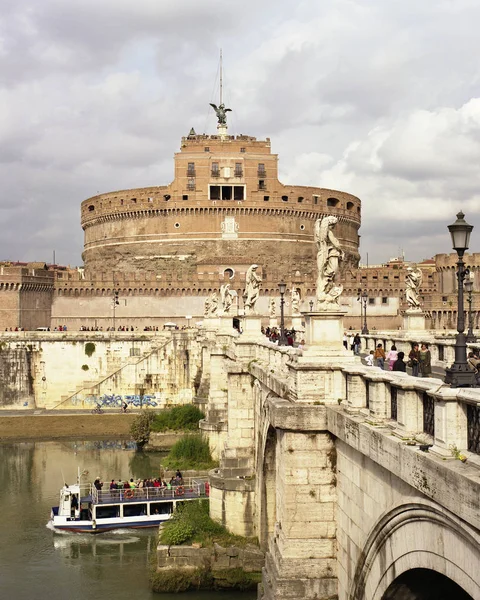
x=377 y=99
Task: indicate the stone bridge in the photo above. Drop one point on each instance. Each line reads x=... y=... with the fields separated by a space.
x=350 y=476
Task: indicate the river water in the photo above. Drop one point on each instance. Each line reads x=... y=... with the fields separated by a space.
x=37 y=563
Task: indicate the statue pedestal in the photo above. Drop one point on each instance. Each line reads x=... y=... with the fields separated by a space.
x=414 y=320
x=226 y=324
x=324 y=333
x=297 y=324
x=211 y=322
x=252 y=325
x=273 y=322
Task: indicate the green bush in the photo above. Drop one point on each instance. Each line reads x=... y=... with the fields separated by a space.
x=140 y=428
x=172 y=581
x=193 y=516
x=178 y=418
x=178 y=533
x=89 y=348
x=190 y=452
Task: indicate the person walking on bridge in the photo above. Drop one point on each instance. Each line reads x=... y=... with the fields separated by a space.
x=379 y=356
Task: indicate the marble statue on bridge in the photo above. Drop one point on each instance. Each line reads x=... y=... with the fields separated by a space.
x=211 y=305
x=226 y=297
x=272 y=308
x=295 y=302
x=252 y=289
x=413 y=281
x=329 y=255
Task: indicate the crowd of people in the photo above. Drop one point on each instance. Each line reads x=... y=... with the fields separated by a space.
x=134 y=484
x=419 y=359
x=273 y=335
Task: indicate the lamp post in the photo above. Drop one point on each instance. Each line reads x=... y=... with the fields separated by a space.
x=469 y=289
x=460 y=374
x=282 y=340
x=363 y=298
x=311 y=305
x=115 y=303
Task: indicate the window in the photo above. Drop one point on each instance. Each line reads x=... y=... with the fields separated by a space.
x=134 y=510
x=150 y=199
x=444 y=298
x=300 y=199
x=371 y=300
x=261 y=184
x=226 y=192
x=134 y=200
x=349 y=205
x=238 y=170
x=315 y=199
x=284 y=198
x=266 y=198
x=191 y=183
x=91 y=208
x=191 y=170
x=207 y=149
x=177 y=225
x=302 y=227
x=332 y=202
x=214 y=192
x=384 y=300
x=242 y=149
x=185 y=197
x=229 y=273
x=261 y=170
x=385 y=277
x=167 y=197
x=161 y=508
x=215 y=169
x=238 y=192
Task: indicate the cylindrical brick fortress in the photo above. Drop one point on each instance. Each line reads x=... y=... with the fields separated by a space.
x=224 y=209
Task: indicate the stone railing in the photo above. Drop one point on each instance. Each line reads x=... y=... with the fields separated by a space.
x=442 y=347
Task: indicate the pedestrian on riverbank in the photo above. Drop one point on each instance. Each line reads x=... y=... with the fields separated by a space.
x=379 y=356
x=425 y=361
x=369 y=359
x=357 y=342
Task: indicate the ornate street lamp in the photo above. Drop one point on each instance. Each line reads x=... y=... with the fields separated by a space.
x=460 y=374
x=282 y=340
x=311 y=305
x=363 y=298
x=468 y=285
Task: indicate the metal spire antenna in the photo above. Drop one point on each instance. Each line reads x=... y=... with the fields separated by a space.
x=221 y=76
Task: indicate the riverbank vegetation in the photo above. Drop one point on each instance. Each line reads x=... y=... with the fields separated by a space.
x=178 y=418
x=191 y=525
x=190 y=452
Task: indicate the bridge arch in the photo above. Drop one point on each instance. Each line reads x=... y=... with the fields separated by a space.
x=416 y=536
x=424 y=584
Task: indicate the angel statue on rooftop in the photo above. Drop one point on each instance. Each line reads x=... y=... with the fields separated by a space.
x=221 y=113
x=329 y=255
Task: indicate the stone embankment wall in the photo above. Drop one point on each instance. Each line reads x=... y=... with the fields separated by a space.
x=82 y=369
x=229 y=567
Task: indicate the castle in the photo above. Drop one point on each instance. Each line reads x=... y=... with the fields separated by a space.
x=153 y=255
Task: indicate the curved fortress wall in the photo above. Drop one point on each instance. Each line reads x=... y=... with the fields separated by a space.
x=224 y=208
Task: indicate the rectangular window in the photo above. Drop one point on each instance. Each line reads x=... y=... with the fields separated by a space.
x=315 y=199
x=191 y=170
x=161 y=508
x=261 y=184
x=215 y=169
x=238 y=170
x=191 y=183
x=261 y=170
x=300 y=199
x=185 y=197
x=238 y=192
x=214 y=192
x=226 y=192
x=134 y=510
x=444 y=298
x=266 y=198
x=384 y=300
x=242 y=149
x=371 y=300
x=207 y=149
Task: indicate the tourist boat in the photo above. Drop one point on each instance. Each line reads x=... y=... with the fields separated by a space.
x=84 y=509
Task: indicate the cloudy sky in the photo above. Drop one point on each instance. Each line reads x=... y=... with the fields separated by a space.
x=380 y=98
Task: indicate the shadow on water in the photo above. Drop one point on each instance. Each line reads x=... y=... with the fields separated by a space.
x=37 y=563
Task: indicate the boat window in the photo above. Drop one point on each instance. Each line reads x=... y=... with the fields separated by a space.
x=134 y=510
x=108 y=512
x=161 y=508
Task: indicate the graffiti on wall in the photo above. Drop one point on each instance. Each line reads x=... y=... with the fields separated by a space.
x=116 y=401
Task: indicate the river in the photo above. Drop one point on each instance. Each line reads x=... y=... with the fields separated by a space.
x=38 y=563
